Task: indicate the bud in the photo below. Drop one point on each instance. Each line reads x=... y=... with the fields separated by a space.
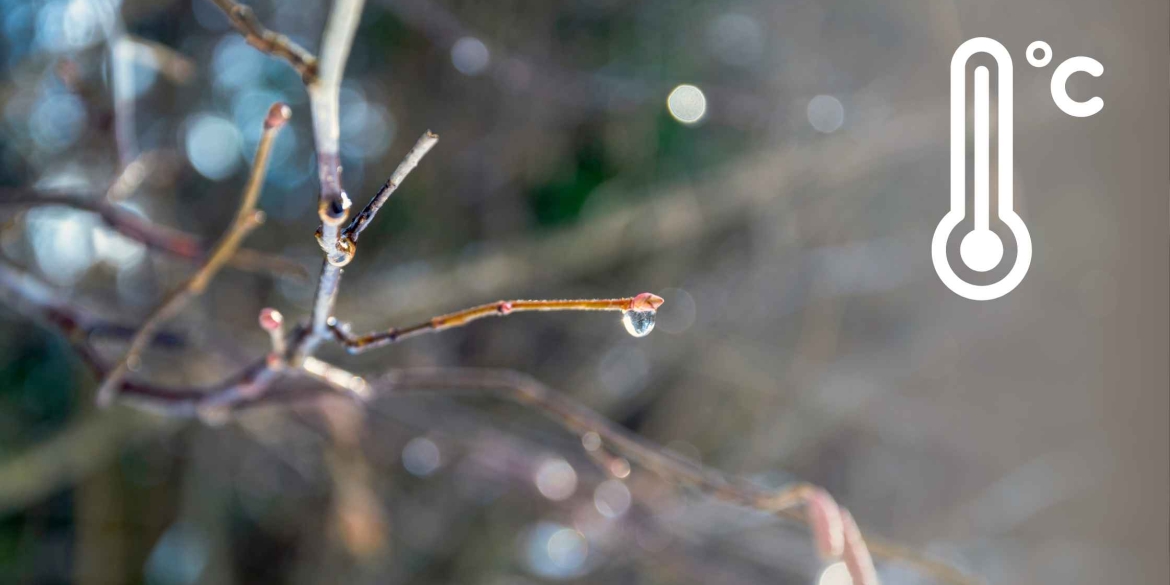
x=271 y=319
x=278 y=114
x=646 y=302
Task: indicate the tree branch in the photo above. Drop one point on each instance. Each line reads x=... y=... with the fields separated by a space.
x=644 y=303
x=244 y=20
x=247 y=219
x=419 y=150
x=833 y=539
x=152 y=235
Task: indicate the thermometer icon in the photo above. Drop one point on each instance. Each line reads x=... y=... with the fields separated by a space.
x=981 y=249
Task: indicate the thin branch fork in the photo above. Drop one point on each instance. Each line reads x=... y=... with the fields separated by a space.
x=358 y=344
x=244 y=20
x=247 y=219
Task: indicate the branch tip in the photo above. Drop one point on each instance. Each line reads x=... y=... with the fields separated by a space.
x=278 y=114
x=646 y=302
x=271 y=319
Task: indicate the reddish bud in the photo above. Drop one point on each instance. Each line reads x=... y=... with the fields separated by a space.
x=278 y=114
x=271 y=319
x=646 y=302
x=504 y=307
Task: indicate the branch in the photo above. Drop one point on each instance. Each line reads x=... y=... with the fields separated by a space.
x=419 y=150
x=152 y=235
x=247 y=219
x=639 y=323
x=244 y=20
x=834 y=531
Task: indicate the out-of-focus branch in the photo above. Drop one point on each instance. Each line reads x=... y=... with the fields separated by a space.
x=169 y=62
x=244 y=20
x=598 y=433
x=362 y=220
x=247 y=219
x=643 y=303
x=150 y=234
x=80 y=449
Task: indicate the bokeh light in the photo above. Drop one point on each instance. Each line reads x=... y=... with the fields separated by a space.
x=826 y=113
x=421 y=456
x=687 y=104
x=556 y=479
x=213 y=146
x=470 y=56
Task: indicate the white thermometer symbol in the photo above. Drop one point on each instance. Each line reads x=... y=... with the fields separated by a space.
x=981 y=250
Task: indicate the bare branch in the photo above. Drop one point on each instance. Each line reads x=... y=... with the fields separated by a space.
x=247 y=219
x=173 y=65
x=599 y=433
x=644 y=302
x=419 y=150
x=244 y=20
x=150 y=234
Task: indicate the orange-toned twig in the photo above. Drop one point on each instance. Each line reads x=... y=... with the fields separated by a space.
x=643 y=303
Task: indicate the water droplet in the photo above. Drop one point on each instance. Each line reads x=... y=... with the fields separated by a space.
x=638 y=323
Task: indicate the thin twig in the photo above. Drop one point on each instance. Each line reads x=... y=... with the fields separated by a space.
x=122 y=82
x=247 y=219
x=582 y=421
x=244 y=20
x=358 y=344
x=173 y=65
x=150 y=234
x=419 y=150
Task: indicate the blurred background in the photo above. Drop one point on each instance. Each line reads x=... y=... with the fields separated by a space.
x=773 y=169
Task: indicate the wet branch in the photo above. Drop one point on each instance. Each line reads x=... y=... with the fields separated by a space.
x=644 y=302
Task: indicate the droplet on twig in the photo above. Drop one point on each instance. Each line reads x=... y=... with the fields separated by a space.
x=639 y=323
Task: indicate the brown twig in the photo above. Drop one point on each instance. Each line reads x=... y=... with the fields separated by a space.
x=150 y=234
x=244 y=20
x=644 y=302
x=247 y=219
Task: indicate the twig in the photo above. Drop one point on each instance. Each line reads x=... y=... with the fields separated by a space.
x=172 y=64
x=35 y=299
x=358 y=344
x=578 y=419
x=150 y=234
x=247 y=219
x=122 y=82
x=244 y=20
x=419 y=150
